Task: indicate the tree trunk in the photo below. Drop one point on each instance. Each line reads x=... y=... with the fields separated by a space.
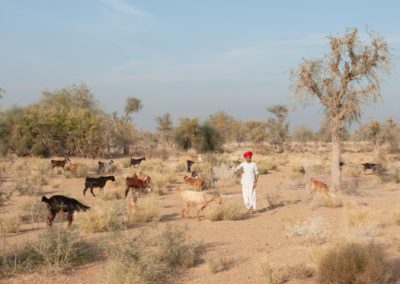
x=335 y=167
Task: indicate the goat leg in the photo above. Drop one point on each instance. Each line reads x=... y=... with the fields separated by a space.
x=91 y=191
x=70 y=218
x=51 y=218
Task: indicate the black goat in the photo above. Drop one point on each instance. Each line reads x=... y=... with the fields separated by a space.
x=189 y=164
x=136 y=162
x=100 y=182
x=59 y=204
x=371 y=166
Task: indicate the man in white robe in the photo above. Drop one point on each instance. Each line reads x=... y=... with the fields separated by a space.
x=250 y=173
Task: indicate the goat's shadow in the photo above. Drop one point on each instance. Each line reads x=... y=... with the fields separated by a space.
x=169 y=217
x=395 y=271
x=272 y=208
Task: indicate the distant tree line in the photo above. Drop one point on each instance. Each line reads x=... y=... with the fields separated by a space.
x=70 y=122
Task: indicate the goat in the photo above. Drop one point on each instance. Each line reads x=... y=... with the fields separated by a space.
x=100 y=182
x=371 y=166
x=189 y=164
x=195 y=174
x=102 y=165
x=137 y=182
x=59 y=204
x=236 y=163
x=194 y=181
x=136 y=162
x=302 y=171
x=59 y=163
x=110 y=166
x=319 y=186
x=72 y=167
x=200 y=200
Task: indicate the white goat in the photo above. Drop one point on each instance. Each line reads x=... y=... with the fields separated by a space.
x=196 y=199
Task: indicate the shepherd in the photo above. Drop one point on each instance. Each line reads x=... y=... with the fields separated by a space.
x=249 y=172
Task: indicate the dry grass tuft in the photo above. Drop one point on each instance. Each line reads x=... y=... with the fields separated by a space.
x=219 y=263
x=113 y=194
x=33 y=211
x=52 y=250
x=396 y=217
x=311 y=230
x=284 y=274
x=325 y=200
x=148 y=210
x=9 y=223
x=150 y=257
x=350 y=262
x=100 y=218
x=227 y=211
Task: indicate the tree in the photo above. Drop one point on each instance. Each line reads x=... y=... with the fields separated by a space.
x=186 y=132
x=343 y=81
x=303 y=134
x=391 y=134
x=379 y=133
x=254 y=131
x=64 y=122
x=372 y=131
x=132 y=105
x=202 y=137
x=124 y=132
x=207 y=139
x=224 y=124
x=278 y=126
x=165 y=127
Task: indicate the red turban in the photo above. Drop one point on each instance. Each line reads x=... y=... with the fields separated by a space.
x=248 y=154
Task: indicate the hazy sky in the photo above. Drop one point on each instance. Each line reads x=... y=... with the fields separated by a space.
x=189 y=58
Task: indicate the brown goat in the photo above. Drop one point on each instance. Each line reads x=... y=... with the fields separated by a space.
x=194 y=181
x=72 y=167
x=137 y=182
x=59 y=163
x=319 y=186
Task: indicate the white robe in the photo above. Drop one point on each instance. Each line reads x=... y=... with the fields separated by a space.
x=250 y=171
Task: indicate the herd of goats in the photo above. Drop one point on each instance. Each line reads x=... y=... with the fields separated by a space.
x=141 y=182
x=134 y=184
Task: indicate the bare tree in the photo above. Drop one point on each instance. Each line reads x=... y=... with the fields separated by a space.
x=278 y=126
x=165 y=127
x=343 y=81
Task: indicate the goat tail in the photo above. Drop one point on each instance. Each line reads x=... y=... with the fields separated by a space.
x=79 y=206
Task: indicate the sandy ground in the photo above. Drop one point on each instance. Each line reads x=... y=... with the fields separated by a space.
x=246 y=243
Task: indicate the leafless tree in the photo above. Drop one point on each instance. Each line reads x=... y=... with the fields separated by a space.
x=343 y=81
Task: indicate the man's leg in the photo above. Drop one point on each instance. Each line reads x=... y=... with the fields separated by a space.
x=245 y=197
x=253 y=199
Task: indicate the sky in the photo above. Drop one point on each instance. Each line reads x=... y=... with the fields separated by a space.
x=189 y=58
